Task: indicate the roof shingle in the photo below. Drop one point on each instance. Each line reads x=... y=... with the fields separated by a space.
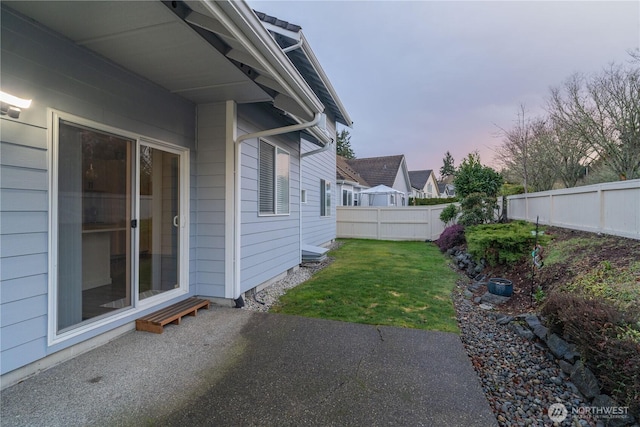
x=419 y=178
x=347 y=173
x=378 y=170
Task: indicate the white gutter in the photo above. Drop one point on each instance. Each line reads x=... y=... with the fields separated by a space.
x=237 y=213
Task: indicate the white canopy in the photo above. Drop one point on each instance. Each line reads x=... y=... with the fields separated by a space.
x=381 y=195
x=381 y=189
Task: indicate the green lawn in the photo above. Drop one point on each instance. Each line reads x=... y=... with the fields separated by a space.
x=406 y=284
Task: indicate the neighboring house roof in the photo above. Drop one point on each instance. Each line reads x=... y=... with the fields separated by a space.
x=293 y=42
x=378 y=170
x=419 y=178
x=448 y=189
x=345 y=172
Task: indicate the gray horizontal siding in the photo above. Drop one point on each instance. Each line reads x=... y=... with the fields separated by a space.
x=23 y=244
x=15 y=200
x=18 y=177
x=270 y=243
x=23 y=354
x=318 y=230
x=210 y=196
x=19 y=333
x=23 y=288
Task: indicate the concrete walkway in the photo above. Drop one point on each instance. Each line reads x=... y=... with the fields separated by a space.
x=229 y=367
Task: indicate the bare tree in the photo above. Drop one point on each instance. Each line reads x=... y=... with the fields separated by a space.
x=571 y=154
x=514 y=151
x=604 y=113
x=544 y=154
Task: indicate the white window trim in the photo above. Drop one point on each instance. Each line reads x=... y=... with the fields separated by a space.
x=327 y=212
x=349 y=192
x=303 y=196
x=275 y=181
x=53 y=336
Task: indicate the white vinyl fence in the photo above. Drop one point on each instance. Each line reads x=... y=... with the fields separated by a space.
x=609 y=208
x=390 y=223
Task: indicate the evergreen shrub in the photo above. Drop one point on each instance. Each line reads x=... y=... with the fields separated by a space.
x=501 y=243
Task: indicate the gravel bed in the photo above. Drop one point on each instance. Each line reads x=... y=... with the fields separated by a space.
x=520 y=377
x=263 y=300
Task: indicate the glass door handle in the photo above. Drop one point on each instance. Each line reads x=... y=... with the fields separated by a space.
x=175 y=221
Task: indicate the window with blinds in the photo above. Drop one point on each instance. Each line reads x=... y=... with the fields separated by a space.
x=273 y=179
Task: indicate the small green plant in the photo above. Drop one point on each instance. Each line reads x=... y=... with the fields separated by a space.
x=539 y=295
x=449 y=214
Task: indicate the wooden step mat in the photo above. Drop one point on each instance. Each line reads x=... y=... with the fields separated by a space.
x=155 y=322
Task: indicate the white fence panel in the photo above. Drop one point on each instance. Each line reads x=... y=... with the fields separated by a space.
x=390 y=223
x=610 y=208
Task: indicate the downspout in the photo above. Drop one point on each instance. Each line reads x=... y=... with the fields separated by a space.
x=237 y=213
x=324 y=148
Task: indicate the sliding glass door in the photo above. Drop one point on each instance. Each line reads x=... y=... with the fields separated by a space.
x=119 y=223
x=159 y=221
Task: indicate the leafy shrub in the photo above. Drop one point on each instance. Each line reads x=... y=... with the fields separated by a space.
x=607 y=338
x=449 y=214
x=450 y=237
x=477 y=208
x=473 y=177
x=501 y=243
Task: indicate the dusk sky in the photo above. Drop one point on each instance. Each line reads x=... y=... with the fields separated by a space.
x=423 y=77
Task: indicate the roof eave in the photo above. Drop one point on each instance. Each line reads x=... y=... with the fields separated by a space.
x=240 y=20
x=325 y=80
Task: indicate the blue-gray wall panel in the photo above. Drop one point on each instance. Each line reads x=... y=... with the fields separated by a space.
x=22 y=156
x=12 y=200
x=20 y=178
x=15 y=312
x=23 y=222
x=23 y=244
x=23 y=354
x=17 y=133
x=264 y=254
x=318 y=230
x=23 y=287
x=210 y=194
x=21 y=266
x=19 y=333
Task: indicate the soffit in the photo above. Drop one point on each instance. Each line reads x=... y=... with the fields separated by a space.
x=150 y=40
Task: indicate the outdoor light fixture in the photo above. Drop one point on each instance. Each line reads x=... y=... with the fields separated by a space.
x=10 y=105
